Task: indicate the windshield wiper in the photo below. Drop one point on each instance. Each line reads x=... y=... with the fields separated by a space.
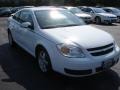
x=48 y=27
x=70 y=25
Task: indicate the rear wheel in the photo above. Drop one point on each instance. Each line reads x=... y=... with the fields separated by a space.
x=44 y=61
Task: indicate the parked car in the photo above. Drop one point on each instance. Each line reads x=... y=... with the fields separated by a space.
x=100 y=16
x=5 y=11
x=76 y=11
x=114 y=11
x=62 y=42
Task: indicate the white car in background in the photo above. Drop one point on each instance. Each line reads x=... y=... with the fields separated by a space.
x=114 y=11
x=100 y=16
x=62 y=42
x=79 y=13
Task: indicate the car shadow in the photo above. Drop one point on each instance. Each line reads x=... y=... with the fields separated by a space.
x=20 y=67
x=113 y=24
x=104 y=24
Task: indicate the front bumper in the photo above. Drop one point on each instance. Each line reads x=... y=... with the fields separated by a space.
x=118 y=18
x=113 y=20
x=87 y=19
x=78 y=67
x=91 y=71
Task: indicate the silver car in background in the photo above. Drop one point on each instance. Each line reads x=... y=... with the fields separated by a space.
x=100 y=16
x=114 y=11
x=79 y=13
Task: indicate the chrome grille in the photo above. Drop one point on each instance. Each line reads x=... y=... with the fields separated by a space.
x=98 y=51
x=85 y=17
x=113 y=17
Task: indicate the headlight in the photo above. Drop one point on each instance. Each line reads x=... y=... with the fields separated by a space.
x=107 y=16
x=115 y=44
x=71 y=50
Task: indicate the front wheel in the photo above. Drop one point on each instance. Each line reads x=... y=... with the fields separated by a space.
x=109 y=23
x=98 y=20
x=44 y=61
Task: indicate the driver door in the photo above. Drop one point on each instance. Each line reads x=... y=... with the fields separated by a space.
x=27 y=33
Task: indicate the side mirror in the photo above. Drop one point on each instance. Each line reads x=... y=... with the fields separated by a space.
x=12 y=14
x=91 y=12
x=26 y=25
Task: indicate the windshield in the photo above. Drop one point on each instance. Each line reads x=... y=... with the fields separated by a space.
x=99 y=10
x=56 y=18
x=75 y=10
x=114 y=10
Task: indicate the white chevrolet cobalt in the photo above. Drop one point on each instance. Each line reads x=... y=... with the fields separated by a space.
x=62 y=42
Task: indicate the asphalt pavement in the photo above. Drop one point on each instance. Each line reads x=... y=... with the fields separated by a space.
x=19 y=70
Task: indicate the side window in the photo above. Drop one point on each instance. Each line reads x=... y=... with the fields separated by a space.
x=89 y=10
x=84 y=9
x=108 y=10
x=26 y=16
x=16 y=16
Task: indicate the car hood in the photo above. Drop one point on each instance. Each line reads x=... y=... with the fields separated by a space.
x=107 y=14
x=82 y=15
x=86 y=36
x=117 y=14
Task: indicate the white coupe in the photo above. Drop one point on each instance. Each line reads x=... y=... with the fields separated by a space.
x=62 y=42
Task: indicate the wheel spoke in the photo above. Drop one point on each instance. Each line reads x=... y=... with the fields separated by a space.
x=43 y=63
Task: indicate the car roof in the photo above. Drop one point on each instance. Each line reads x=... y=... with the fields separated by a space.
x=94 y=7
x=109 y=7
x=88 y=7
x=67 y=7
x=43 y=8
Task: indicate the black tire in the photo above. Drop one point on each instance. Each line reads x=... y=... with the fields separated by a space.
x=109 y=23
x=44 y=61
x=98 y=20
x=11 y=41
